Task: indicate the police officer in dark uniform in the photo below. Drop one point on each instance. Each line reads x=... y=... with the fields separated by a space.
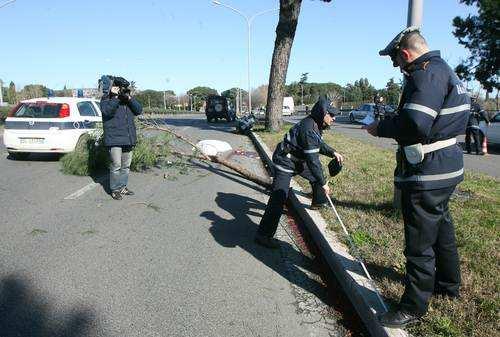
x=379 y=109
x=298 y=153
x=434 y=109
x=473 y=130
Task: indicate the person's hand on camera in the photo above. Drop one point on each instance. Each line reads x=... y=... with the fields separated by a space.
x=115 y=90
x=372 y=128
x=326 y=188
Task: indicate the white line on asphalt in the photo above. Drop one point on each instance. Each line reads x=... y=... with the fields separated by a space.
x=81 y=191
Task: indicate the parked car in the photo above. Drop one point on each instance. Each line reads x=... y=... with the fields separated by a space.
x=492 y=131
x=361 y=112
x=49 y=125
x=217 y=108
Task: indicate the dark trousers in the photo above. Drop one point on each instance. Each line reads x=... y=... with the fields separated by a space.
x=279 y=195
x=477 y=135
x=431 y=253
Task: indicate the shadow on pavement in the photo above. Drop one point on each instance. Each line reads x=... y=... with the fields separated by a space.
x=38 y=157
x=239 y=232
x=24 y=313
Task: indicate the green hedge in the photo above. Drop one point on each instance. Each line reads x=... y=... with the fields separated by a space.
x=4 y=110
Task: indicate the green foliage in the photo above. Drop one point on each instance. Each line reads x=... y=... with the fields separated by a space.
x=91 y=156
x=148 y=151
x=202 y=92
x=4 y=110
x=312 y=91
x=155 y=99
x=480 y=35
x=391 y=92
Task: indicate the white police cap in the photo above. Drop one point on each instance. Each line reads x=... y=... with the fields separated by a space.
x=394 y=44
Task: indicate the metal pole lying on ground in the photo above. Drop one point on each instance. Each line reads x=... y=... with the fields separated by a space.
x=356 y=252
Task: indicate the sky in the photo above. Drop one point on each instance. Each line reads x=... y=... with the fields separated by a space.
x=177 y=45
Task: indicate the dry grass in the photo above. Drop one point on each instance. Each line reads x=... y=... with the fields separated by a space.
x=363 y=195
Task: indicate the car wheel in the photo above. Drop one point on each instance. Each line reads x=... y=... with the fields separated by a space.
x=19 y=155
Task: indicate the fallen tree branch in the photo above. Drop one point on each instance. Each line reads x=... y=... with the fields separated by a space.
x=263 y=181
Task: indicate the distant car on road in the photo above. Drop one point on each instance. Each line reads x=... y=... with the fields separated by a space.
x=361 y=112
x=288 y=106
x=49 y=125
x=217 y=108
x=492 y=131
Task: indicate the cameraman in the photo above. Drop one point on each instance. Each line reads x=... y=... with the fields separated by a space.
x=118 y=111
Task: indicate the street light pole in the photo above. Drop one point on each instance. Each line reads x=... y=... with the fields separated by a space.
x=249 y=21
x=415 y=13
x=1 y=82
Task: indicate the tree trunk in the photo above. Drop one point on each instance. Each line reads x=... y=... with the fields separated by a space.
x=285 y=33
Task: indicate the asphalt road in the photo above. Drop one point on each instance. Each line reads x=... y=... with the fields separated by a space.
x=485 y=164
x=176 y=259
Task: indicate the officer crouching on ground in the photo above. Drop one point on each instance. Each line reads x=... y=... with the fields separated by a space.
x=299 y=154
x=434 y=109
x=118 y=109
x=473 y=130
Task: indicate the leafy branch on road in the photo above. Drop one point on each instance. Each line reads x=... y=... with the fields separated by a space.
x=151 y=124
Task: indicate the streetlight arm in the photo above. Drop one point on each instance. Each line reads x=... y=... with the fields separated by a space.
x=231 y=8
x=263 y=12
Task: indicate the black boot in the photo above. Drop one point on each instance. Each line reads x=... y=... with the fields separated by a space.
x=398 y=319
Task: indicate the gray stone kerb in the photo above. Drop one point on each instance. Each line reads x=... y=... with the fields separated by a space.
x=347 y=269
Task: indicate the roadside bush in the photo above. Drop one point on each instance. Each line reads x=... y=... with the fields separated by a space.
x=91 y=156
x=4 y=110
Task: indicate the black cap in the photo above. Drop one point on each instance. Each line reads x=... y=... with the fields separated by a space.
x=394 y=44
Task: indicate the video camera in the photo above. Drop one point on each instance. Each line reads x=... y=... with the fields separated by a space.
x=121 y=83
x=107 y=82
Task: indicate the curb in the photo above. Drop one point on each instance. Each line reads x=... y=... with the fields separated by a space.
x=348 y=271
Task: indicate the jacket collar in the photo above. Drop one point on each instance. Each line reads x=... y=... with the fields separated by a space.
x=420 y=62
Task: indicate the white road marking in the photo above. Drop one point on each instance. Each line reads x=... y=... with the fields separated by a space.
x=81 y=191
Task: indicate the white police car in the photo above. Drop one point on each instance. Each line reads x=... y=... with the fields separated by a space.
x=49 y=125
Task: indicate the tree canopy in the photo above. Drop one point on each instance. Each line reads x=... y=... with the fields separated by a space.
x=480 y=35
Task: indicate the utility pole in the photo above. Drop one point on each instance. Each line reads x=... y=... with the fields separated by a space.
x=165 y=100
x=415 y=13
x=249 y=21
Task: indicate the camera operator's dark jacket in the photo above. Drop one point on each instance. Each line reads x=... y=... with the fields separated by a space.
x=476 y=114
x=434 y=106
x=118 y=121
x=303 y=144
